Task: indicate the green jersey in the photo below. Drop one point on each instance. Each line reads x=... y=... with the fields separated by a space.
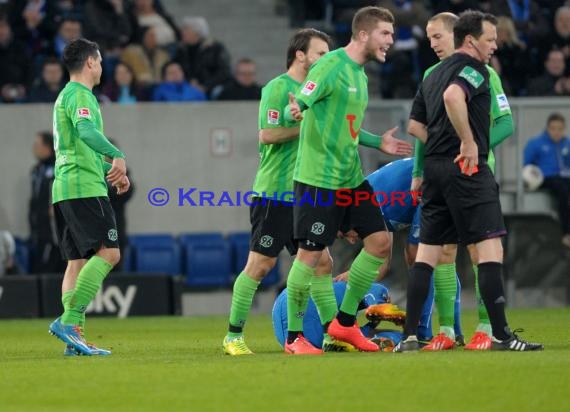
x=335 y=94
x=276 y=161
x=79 y=169
x=499 y=104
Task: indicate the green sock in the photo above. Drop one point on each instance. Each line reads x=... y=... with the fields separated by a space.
x=484 y=322
x=363 y=271
x=88 y=283
x=298 y=290
x=65 y=299
x=445 y=284
x=322 y=292
x=242 y=298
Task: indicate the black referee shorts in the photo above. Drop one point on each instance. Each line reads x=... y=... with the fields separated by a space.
x=459 y=208
x=84 y=226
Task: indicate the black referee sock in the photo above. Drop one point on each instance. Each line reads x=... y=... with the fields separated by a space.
x=418 y=289
x=493 y=295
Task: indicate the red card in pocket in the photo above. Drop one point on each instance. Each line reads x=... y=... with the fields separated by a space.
x=462 y=162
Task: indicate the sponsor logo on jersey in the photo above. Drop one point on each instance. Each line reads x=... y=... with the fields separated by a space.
x=473 y=77
x=503 y=102
x=273 y=116
x=309 y=88
x=352 y=89
x=353 y=132
x=83 y=112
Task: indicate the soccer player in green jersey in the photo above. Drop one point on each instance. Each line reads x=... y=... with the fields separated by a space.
x=329 y=184
x=440 y=34
x=271 y=214
x=84 y=218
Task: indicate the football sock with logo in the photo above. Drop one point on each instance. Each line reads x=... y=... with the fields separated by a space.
x=88 y=283
x=242 y=298
x=362 y=273
x=492 y=293
x=445 y=292
x=65 y=298
x=298 y=291
x=484 y=324
x=322 y=292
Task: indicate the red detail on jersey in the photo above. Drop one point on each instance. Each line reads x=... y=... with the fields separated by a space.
x=83 y=112
x=351 y=118
x=273 y=116
x=308 y=88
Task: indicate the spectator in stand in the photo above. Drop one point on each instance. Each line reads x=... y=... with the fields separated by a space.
x=34 y=22
x=174 y=88
x=8 y=264
x=68 y=30
x=123 y=88
x=107 y=22
x=511 y=60
x=561 y=36
x=46 y=257
x=47 y=87
x=206 y=62
x=147 y=15
x=454 y=6
x=243 y=85
x=552 y=82
x=15 y=66
x=550 y=151
x=146 y=59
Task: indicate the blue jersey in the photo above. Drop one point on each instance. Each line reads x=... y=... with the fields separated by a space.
x=312 y=328
x=399 y=208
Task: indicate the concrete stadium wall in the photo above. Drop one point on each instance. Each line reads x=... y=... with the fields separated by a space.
x=211 y=147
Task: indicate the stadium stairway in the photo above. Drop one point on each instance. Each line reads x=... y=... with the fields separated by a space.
x=248 y=28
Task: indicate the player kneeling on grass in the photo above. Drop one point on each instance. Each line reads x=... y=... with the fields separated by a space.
x=85 y=221
x=377 y=304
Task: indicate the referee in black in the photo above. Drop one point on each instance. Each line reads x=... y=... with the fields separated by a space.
x=460 y=198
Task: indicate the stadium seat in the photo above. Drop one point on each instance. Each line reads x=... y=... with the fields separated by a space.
x=155 y=254
x=207 y=261
x=239 y=245
x=23 y=254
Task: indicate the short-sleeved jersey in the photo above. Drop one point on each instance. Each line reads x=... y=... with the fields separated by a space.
x=336 y=95
x=472 y=76
x=79 y=169
x=276 y=161
x=394 y=181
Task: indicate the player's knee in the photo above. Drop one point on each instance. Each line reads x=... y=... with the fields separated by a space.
x=111 y=255
x=473 y=254
x=378 y=244
x=258 y=266
x=309 y=257
x=448 y=254
x=490 y=250
x=324 y=265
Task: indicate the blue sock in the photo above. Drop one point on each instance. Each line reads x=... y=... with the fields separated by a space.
x=457 y=317
x=424 y=328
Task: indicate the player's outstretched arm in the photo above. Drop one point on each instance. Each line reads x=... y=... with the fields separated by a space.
x=391 y=145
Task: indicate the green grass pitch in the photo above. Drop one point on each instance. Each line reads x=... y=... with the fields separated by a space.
x=175 y=363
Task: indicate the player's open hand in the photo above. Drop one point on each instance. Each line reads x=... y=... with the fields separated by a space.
x=117 y=172
x=343 y=277
x=123 y=186
x=295 y=108
x=393 y=145
x=468 y=157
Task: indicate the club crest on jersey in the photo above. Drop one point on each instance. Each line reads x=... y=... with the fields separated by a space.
x=309 y=88
x=83 y=112
x=273 y=116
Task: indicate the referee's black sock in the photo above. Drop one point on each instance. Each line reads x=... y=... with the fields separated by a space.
x=418 y=289
x=493 y=295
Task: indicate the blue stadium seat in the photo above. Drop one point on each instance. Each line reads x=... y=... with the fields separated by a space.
x=239 y=244
x=22 y=254
x=207 y=260
x=155 y=253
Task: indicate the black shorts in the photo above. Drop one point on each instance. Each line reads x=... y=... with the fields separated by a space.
x=84 y=226
x=271 y=227
x=457 y=208
x=320 y=213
